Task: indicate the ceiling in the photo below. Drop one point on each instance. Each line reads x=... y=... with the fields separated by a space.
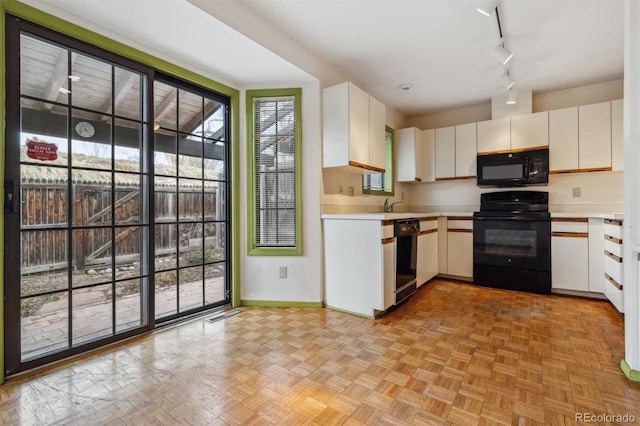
x=441 y=47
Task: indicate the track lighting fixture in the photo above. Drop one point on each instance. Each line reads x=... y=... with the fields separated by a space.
x=506 y=80
x=502 y=55
x=488 y=8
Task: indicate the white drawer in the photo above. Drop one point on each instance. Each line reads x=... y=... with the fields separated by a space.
x=459 y=223
x=613 y=228
x=614 y=294
x=428 y=223
x=613 y=247
x=613 y=268
x=387 y=231
x=560 y=225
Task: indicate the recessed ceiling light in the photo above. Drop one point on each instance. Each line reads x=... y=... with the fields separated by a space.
x=63 y=90
x=405 y=86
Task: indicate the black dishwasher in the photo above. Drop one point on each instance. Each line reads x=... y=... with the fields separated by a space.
x=406 y=232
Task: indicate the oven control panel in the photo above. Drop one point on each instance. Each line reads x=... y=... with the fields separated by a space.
x=407 y=227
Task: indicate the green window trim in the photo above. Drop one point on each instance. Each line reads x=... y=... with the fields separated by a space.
x=252 y=246
x=389 y=174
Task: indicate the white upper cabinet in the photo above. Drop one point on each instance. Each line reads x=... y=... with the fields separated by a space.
x=563 y=139
x=409 y=155
x=466 y=150
x=617 y=146
x=594 y=135
x=494 y=135
x=352 y=129
x=445 y=152
x=429 y=155
x=588 y=137
x=530 y=130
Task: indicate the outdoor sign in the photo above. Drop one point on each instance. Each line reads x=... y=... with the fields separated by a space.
x=42 y=151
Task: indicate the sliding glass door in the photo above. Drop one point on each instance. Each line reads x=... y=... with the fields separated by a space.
x=116 y=211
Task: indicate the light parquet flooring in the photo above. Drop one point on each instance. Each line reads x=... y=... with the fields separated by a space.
x=454 y=354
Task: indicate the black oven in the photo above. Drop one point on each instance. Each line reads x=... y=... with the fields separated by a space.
x=406 y=232
x=513 y=168
x=512 y=241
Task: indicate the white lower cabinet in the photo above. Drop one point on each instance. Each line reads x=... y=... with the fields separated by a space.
x=359 y=265
x=570 y=254
x=460 y=246
x=389 y=272
x=613 y=266
x=427 y=251
x=596 y=264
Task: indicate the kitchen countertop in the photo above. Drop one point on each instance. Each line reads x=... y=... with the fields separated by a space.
x=407 y=215
x=615 y=216
x=380 y=215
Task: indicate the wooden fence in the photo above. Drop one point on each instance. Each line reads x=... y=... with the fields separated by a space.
x=45 y=223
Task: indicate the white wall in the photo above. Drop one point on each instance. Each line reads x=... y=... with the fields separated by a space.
x=631 y=236
x=453 y=117
x=600 y=192
x=541 y=101
x=582 y=95
x=259 y=276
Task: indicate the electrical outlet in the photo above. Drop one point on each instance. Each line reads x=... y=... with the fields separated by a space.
x=282 y=272
x=576 y=192
x=351 y=191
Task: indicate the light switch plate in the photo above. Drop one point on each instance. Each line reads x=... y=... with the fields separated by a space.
x=576 y=192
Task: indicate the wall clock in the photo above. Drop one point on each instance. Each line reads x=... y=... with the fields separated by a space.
x=84 y=129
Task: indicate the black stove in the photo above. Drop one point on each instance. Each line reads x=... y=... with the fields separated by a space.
x=512 y=241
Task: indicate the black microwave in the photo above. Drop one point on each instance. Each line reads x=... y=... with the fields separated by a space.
x=514 y=168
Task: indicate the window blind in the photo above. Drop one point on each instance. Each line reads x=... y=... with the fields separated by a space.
x=275 y=170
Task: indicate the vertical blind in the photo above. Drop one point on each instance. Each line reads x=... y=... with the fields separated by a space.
x=275 y=162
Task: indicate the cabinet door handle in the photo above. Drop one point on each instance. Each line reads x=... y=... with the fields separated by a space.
x=614 y=282
x=613 y=256
x=612 y=239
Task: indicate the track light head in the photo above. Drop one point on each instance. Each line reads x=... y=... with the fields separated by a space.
x=506 y=81
x=511 y=97
x=488 y=8
x=502 y=55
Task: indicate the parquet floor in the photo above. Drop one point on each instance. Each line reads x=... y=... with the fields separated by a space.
x=454 y=354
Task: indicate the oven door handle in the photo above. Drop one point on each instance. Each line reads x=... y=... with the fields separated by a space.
x=514 y=217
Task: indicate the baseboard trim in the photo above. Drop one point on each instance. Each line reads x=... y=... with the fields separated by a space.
x=279 y=304
x=350 y=312
x=631 y=374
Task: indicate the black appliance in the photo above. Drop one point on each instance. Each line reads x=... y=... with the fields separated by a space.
x=514 y=168
x=406 y=232
x=512 y=241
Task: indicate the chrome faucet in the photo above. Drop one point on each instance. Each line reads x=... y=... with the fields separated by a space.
x=389 y=207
